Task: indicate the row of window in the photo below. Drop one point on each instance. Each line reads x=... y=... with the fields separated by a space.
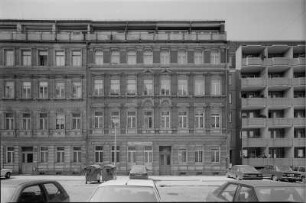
x=43 y=90
x=274 y=152
x=273 y=133
x=211 y=57
x=131 y=120
x=98 y=88
x=99 y=155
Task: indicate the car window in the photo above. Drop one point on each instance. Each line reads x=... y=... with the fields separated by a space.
x=124 y=194
x=53 y=192
x=229 y=192
x=246 y=194
x=31 y=194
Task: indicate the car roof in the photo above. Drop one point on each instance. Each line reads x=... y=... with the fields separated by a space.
x=133 y=182
x=263 y=183
x=18 y=182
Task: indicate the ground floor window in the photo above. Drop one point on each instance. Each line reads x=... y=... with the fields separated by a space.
x=43 y=154
x=77 y=154
x=60 y=154
x=299 y=152
x=117 y=154
x=131 y=154
x=99 y=154
x=182 y=156
x=10 y=155
x=148 y=154
x=215 y=154
x=198 y=154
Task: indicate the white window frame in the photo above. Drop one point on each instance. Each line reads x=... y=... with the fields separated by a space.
x=183 y=119
x=99 y=120
x=147 y=119
x=26 y=56
x=199 y=119
x=42 y=53
x=9 y=57
x=60 y=58
x=199 y=155
x=216 y=87
x=44 y=152
x=26 y=90
x=182 y=57
x=215 y=154
x=165 y=57
x=26 y=121
x=115 y=57
x=115 y=87
x=76 y=57
x=113 y=151
x=182 y=87
x=215 y=57
x=60 y=154
x=148 y=154
x=76 y=121
x=9 y=121
x=60 y=90
x=77 y=90
x=199 y=86
x=215 y=120
x=183 y=155
x=43 y=90
x=131 y=154
x=131 y=86
x=131 y=119
x=131 y=57
x=99 y=57
x=60 y=122
x=98 y=87
x=43 y=121
x=9 y=90
x=198 y=57
x=77 y=155
x=99 y=154
x=10 y=155
x=115 y=115
x=165 y=119
x=148 y=57
x=165 y=86
x=148 y=89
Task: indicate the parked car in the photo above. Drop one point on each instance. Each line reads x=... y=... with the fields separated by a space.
x=33 y=191
x=244 y=172
x=302 y=171
x=280 y=173
x=258 y=191
x=6 y=172
x=138 y=172
x=126 y=190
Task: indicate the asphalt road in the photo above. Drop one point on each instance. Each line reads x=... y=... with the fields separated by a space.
x=171 y=188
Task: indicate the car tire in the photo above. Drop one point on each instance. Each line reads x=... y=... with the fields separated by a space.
x=274 y=178
x=7 y=175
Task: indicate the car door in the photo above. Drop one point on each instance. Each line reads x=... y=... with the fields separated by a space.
x=55 y=193
x=245 y=194
x=228 y=193
x=32 y=193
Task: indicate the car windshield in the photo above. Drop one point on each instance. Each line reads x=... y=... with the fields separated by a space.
x=281 y=194
x=248 y=169
x=124 y=194
x=138 y=169
x=283 y=168
x=6 y=193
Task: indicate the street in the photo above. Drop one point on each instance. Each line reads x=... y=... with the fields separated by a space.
x=171 y=188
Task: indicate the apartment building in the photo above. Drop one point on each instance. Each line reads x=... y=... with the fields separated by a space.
x=75 y=93
x=272 y=102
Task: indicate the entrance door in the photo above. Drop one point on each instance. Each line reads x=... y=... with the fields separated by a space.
x=27 y=160
x=165 y=160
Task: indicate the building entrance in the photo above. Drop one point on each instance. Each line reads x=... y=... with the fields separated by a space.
x=165 y=160
x=27 y=160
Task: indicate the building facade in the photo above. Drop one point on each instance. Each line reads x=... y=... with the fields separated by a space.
x=65 y=83
x=272 y=103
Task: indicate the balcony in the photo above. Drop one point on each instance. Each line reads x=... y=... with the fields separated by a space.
x=296 y=82
x=58 y=133
x=253 y=122
x=252 y=82
x=299 y=121
x=276 y=61
x=279 y=122
x=253 y=102
x=299 y=101
x=279 y=102
x=41 y=133
x=254 y=142
x=279 y=82
x=7 y=133
x=299 y=142
x=266 y=161
x=280 y=142
x=253 y=61
x=298 y=61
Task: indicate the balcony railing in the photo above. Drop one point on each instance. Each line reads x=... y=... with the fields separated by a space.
x=298 y=61
x=267 y=161
x=253 y=61
x=299 y=161
x=280 y=142
x=78 y=36
x=279 y=102
x=253 y=122
x=7 y=133
x=253 y=82
x=280 y=122
x=279 y=81
x=299 y=121
x=277 y=61
x=299 y=101
x=253 y=102
x=299 y=81
x=299 y=142
x=254 y=142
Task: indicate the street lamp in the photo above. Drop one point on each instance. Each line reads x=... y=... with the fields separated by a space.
x=116 y=122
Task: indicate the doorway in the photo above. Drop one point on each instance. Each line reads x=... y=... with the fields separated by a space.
x=27 y=160
x=165 y=160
